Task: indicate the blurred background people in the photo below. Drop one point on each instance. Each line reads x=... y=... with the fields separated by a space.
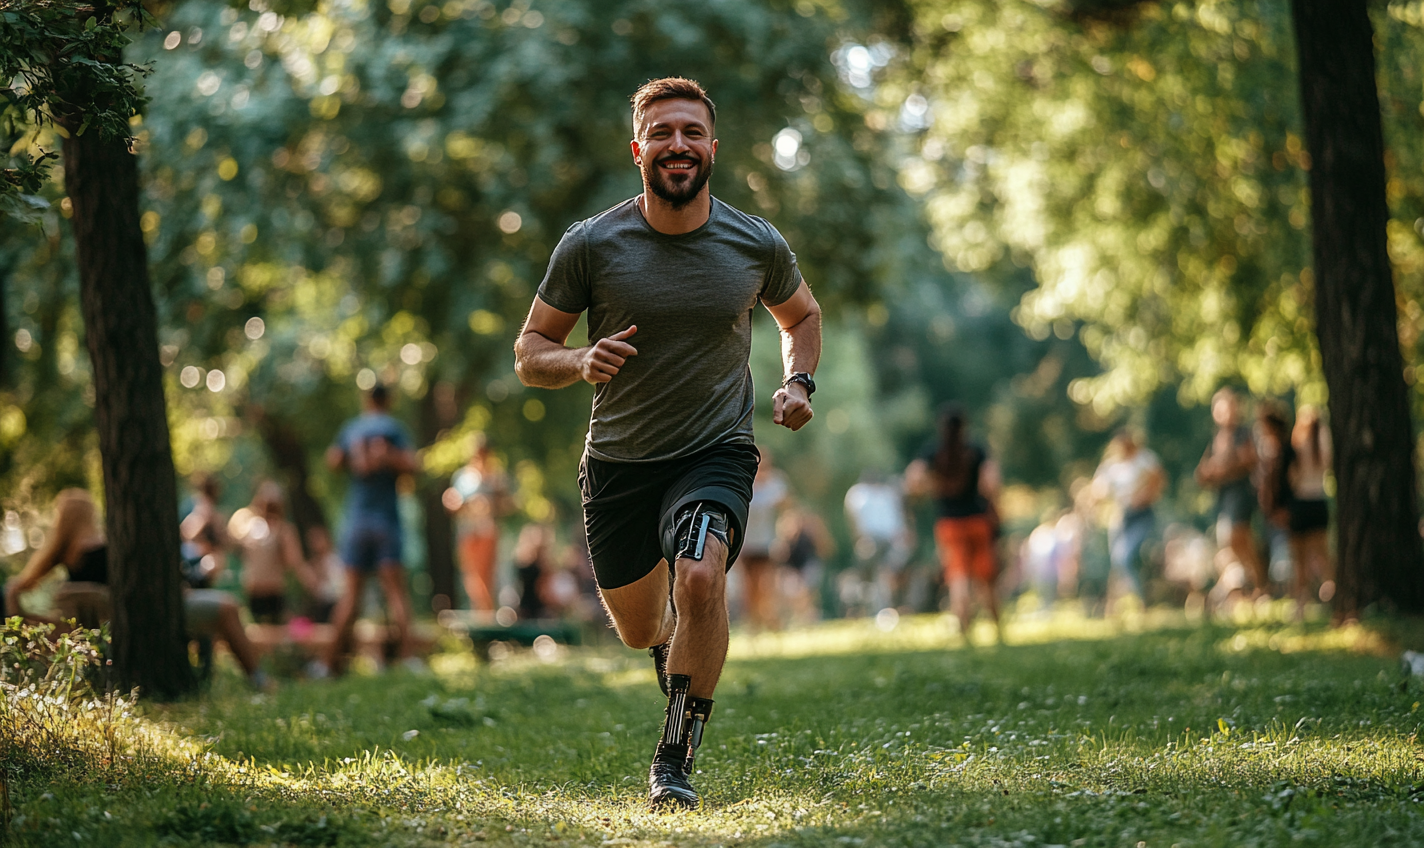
x=884 y=540
x=1132 y=477
x=1273 y=457
x=204 y=534
x=770 y=491
x=1311 y=460
x=478 y=498
x=801 y=548
x=327 y=568
x=964 y=484
x=270 y=549
x=76 y=542
x=1293 y=497
x=376 y=450
x=1226 y=466
x=533 y=566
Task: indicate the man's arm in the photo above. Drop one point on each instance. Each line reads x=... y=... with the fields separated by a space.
x=543 y=361
x=799 y=318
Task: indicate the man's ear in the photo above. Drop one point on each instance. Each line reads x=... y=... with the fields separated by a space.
x=637 y=152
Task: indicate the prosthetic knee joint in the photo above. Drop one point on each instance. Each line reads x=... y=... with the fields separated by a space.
x=694 y=522
x=686 y=718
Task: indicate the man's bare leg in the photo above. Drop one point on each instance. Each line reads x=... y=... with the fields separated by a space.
x=640 y=611
x=699 y=645
x=392 y=576
x=643 y=617
x=343 y=619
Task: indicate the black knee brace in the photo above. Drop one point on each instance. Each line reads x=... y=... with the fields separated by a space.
x=694 y=522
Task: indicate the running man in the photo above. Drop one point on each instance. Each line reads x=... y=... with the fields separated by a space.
x=669 y=279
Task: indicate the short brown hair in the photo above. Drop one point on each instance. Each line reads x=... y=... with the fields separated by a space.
x=669 y=88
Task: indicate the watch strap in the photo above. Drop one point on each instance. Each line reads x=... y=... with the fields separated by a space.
x=804 y=379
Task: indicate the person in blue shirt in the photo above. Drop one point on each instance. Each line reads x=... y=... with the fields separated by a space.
x=375 y=449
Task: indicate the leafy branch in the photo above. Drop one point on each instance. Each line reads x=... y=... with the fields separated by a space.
x=61 y=65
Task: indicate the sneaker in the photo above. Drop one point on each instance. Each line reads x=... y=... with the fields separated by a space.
x=668 y=786
x=659 y=653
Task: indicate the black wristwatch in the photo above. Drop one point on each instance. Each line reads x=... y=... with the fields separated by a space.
x=804 y=379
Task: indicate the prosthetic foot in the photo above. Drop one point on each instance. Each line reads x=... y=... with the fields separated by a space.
x=668 y=784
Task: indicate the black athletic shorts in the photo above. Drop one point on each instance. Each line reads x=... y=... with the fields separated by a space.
x=629 y=507
x=1307 y=516
x=268 y=609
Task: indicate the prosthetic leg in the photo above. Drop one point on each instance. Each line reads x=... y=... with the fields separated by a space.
x=694 y=522
x=668 y=784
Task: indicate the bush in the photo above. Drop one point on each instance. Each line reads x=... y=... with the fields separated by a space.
x=56 y=714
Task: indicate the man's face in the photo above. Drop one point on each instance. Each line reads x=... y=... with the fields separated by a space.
x=676 y=150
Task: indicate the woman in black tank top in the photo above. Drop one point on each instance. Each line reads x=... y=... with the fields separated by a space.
x=75 y=542
x=962 y=481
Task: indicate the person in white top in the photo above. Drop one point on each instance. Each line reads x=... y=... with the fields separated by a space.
x=875 y=508
x=270 y=547
x=1132 y=476
x=760 y=599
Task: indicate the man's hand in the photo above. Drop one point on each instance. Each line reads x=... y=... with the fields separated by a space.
x=791 y=406
x=603 y=360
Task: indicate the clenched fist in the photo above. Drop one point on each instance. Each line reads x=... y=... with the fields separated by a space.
x=791 y=406
x=601 y=361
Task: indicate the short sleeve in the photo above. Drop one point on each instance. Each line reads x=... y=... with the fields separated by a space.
x=400 y=436
x=343 y=438
x=783 y=278
x=566 y=285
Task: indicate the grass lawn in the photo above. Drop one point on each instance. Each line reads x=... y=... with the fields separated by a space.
x=1077 y=733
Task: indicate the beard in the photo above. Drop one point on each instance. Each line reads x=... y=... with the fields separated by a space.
x=677 y=191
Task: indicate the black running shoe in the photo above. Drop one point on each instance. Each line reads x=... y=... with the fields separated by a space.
x=659 y=653
x=668 y=787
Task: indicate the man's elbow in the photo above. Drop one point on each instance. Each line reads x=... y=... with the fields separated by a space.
x=521 y=362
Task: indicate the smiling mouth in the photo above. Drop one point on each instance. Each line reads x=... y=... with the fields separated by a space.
x=677 y=164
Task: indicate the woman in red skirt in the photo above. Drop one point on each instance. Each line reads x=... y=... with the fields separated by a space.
x=964 y=482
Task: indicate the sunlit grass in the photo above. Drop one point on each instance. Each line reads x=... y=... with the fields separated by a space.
x=1147 y=728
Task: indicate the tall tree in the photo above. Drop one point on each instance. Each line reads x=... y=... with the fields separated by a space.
x=1357 y=323
x=140 y=497
x=1146 y=161
x=70 y=59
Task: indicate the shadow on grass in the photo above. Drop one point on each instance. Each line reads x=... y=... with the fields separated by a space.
x=1261 y=734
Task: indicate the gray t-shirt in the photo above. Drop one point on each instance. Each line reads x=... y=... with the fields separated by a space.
x=692 y=296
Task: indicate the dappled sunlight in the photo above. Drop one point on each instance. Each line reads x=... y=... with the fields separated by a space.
x=842 y=729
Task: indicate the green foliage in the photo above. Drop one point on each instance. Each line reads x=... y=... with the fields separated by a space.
x=1151 y=173
x=382 y=185
x=1111 y=733
x=55 y=716
x=60 y=65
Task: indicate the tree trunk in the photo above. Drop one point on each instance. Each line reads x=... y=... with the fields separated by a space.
x=140 y=492
x=1380 y=558
x=290 y=455
x=5 y=339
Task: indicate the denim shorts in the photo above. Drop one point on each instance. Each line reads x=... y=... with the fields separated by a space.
x=371 y=541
